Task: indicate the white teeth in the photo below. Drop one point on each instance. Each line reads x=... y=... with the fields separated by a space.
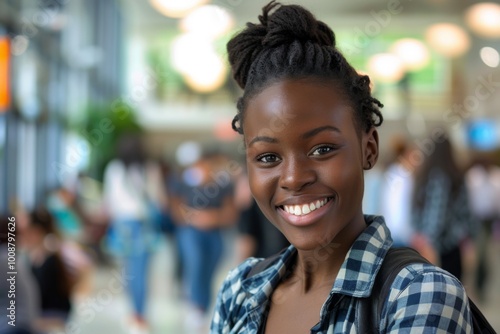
x=300 y=210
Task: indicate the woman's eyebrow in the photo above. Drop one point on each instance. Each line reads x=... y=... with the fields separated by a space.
x=313 y=132
x=264 y=139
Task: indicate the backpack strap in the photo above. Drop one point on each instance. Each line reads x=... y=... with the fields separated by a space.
x=264 y=264
x=370 y=308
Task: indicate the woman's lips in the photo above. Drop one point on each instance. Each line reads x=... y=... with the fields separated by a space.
x=304 y=209
x=305 y=214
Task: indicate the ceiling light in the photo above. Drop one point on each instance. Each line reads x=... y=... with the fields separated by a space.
x=210 y=20
x=206 y=75
x=176 y=8
x=490 y=56
x=484 y=19
x=412 y=52
x=386 y=67
x=196 y=59
x=448 y=39
x=188 y=49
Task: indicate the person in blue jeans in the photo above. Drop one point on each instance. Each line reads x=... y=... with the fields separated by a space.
x=203 y=204
x=133 y=194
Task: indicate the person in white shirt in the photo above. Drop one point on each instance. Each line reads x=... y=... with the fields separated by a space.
x=483 y=186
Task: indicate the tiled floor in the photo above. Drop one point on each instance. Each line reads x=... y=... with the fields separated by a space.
x=108 y=308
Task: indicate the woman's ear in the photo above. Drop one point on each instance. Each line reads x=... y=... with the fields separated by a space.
x=370 y=148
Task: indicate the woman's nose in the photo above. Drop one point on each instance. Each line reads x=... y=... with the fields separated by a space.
x=297 y=174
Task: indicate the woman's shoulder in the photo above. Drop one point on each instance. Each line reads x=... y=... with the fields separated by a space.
x=425 y=276
x=427 y=295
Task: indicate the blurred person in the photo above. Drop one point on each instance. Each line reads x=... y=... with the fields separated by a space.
x=203 y=204
x=69 y=220
x=257 y=237
x=26 y=294
x=167 y=174
x=397 y=193
x=483 y=185
x=133 y=195
x=441 y=212
x=60 y=202
x=396 y=199
x=42 y=242
x=373 y=187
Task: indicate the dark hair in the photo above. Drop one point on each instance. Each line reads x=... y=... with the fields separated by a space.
x=440 y=159
x=43 y=219
x=290 y=43
x=130 y=149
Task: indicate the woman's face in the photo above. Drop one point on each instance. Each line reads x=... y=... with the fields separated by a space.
x=305 y=160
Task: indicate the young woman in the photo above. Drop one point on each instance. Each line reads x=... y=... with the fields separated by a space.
x=308 y=122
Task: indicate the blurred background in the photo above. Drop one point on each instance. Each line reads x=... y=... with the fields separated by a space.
x=119 y=111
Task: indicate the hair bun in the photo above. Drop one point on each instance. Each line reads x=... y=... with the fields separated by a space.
x=292 y=22
x=285 y=25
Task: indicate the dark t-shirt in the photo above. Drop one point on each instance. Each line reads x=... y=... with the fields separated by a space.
x=206 y=196
x=51 y=279
x=268 y=238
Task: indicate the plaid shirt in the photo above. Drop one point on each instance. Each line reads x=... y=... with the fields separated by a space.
x=423 y=298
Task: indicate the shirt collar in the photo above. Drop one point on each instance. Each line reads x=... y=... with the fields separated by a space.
x=357 y=273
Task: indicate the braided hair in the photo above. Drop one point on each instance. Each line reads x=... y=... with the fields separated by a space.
x=289 y=43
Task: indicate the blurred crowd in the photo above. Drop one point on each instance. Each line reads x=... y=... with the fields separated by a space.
x=444 y=209
x=430 y=202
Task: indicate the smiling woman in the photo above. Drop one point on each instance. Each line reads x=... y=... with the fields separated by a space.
x=309 y=126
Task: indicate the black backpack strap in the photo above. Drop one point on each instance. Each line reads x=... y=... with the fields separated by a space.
x=479 y=321
x=369 y=309
x=264 y=264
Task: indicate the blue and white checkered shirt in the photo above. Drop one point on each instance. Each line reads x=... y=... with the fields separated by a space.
x=423 y=298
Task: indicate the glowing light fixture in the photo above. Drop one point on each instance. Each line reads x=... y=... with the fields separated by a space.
x=176 y=8
x=412 y=52
x=207 y=75
x=490 y=56
x=484 y=19
x=209 y=20
x=195 y=58
x=386 y=67
x=448 y=39
x=187 y=49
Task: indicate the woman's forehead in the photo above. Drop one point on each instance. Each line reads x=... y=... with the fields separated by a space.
x=286 y=101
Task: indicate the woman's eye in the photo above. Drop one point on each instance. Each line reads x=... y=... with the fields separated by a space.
x=322 y=150
x=268 y=158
